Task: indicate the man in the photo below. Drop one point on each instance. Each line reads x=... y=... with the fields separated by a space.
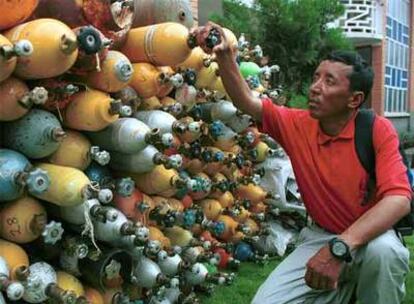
x=351 y=247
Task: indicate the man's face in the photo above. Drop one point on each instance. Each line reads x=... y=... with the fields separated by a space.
x=330 y=93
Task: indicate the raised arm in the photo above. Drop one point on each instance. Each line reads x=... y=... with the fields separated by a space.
x=235 y=85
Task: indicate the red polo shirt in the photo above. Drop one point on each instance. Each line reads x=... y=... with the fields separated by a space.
x=330 y=177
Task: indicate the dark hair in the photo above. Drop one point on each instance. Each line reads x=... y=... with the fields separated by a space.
x=362 y=75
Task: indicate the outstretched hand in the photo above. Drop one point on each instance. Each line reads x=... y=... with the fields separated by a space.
x=201 y=33
x=323 y=270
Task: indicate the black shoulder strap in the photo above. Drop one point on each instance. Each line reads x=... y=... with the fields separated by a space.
x=364 y=146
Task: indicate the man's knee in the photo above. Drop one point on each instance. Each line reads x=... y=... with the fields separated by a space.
x=386 y=249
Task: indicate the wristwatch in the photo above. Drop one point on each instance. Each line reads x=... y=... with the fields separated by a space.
x=340 y=250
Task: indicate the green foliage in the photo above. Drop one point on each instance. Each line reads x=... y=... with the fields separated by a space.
x=239 y=18
x=294 y=34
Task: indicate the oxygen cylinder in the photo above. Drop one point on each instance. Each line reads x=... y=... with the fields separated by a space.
x=211 y=208
x=164 y=44
x=12 y=289
x=11 y=16
x=54 y=52
x=206 y=76
x=91 y=110
x=148 y=81
x=115 y=73
x=221 y=110
x=9 y=53
x=93 y=49
x=112 y=18
x=149 y=12
x=136 y=207
x=77 y=152
x=16 y=99
x=173 y=80
x=68 y=185
x=157 y=235
x=223 y=137
x=16 y=173
x=67 y=281
x=41 y=285
x=143 y=161
x=23 y=220
x=159 y=181
x=254 y=193
x=129 y=135
x=249 y=68
x=230 y=227
x=36 y=135
x=148 y=274
x=197 y=60
x=16 y=258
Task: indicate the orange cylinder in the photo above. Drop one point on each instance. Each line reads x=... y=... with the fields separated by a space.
x=164 y=44
x=54 y=51
x=230 y=227
x=15 y=257
x=114 y=75
x=22 y=220
x=90 y=110
x=147 y=80
x=16 y=99
x=15 y=11
x=252 y=192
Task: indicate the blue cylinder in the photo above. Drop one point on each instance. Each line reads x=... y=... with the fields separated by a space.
x=36 y=135
x=16 y=172
x=243 y=252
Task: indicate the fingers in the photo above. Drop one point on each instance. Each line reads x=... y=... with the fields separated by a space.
x=202 y=34
x=317 y=281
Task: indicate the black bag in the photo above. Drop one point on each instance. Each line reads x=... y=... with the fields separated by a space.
x=364 y=146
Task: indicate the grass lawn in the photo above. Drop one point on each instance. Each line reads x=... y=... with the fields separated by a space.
x=251 y=275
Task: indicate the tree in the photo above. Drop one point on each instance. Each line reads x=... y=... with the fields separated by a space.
x=294 y=33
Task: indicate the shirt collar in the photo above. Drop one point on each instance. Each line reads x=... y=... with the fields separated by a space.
x=348 y=132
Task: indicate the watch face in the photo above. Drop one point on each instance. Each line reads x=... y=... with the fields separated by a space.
x=339 y=249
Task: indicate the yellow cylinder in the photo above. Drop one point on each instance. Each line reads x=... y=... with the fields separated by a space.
x=146 y=79
x=164 y=44
x=206 y=76
x=15 y=257
x=54 y=48
x=226 y=199
x=178 y=236
x=73 y=151
x=158 y=181
x=22 y=220
x=89 y=111
x=115 y=74
x=66 y=185
x=197 y=60
x=69 y=282
x=262 y=152
x=211 y=208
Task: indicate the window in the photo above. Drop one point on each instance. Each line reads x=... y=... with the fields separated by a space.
x=396 y=69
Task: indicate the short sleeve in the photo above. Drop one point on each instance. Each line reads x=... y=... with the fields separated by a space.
x=391 y=173
x=280 y=122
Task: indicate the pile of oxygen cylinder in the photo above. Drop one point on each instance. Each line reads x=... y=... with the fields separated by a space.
x=126 y=173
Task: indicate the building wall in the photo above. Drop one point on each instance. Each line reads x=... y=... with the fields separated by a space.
x=194 y=9
x=208 y=7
